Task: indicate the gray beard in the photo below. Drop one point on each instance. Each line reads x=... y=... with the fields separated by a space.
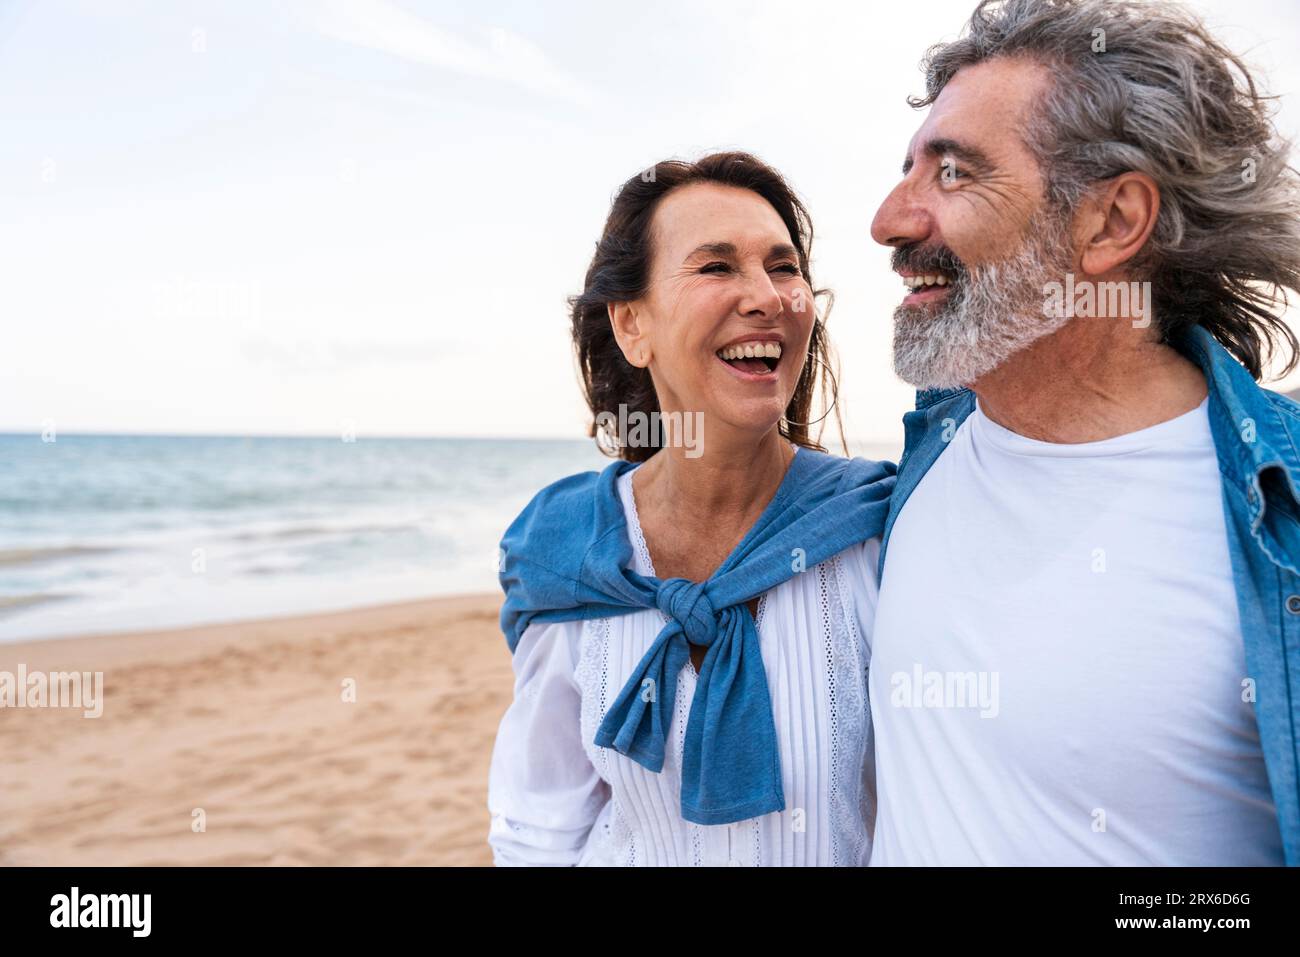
x=994 y=311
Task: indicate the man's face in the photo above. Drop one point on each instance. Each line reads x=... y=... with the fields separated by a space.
x=971 y=232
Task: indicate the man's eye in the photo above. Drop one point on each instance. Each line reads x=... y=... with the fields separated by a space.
x=716 y=267
x=950 y=172
x=791 y=268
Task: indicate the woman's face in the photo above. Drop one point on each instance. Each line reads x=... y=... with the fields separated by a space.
x=726 y=318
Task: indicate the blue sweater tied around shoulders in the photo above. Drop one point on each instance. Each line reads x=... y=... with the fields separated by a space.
x=568 y=556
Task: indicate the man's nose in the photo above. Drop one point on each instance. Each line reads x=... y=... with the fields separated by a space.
x=901 y=219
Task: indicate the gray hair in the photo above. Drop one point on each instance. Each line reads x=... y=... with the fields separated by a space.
x=1143 y=86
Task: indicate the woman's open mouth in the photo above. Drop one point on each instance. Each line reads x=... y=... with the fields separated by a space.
x=754 y=360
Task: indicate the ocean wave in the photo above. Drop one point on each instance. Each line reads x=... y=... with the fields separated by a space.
x=33 y=556
x=10 y=603
x=312 y=531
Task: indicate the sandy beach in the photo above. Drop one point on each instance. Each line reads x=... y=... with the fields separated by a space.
x=244 y=728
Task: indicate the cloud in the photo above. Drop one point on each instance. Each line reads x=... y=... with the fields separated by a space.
x=499 y=55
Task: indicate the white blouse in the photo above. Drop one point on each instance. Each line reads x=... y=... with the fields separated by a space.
x=555 y=798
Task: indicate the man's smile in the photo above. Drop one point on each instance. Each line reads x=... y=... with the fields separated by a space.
x=925 y=287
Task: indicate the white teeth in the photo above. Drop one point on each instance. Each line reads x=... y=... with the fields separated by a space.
x=752 y=350
x=918 y=282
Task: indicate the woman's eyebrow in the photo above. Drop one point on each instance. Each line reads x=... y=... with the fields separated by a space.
x=729 y=250
x=713 y=249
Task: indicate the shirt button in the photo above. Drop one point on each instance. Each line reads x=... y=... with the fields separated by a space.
x=1293 y=604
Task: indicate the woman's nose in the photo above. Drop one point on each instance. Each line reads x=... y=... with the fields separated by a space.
x=761 y=296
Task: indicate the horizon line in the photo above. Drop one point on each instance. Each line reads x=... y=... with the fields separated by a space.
x=84 y=433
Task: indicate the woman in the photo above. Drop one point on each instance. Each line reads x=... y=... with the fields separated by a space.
x=690 y=627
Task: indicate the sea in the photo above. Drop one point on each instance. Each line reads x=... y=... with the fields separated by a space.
x=115 y=533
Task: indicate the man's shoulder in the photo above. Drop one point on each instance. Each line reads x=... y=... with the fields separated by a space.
x=926 y=398
x=938 y=412
x=1285 y=404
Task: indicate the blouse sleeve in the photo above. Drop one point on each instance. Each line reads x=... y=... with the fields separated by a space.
x=544 y=795
x=864 y=589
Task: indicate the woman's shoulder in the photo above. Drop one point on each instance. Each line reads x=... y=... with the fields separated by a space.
x=541 y=556
x=556 y=507
x=578 y=487
x=848 y=471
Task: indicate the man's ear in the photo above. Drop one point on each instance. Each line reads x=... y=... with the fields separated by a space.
x=625 y=319
x=1118 y=222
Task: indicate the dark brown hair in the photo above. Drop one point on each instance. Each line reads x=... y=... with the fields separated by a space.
x=619 y=272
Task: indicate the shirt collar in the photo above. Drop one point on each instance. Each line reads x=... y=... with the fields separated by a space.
x=1246 y=417
x=1241 y=411
x=1253 y=435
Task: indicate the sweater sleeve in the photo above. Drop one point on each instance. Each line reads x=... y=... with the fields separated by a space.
x=544 y=795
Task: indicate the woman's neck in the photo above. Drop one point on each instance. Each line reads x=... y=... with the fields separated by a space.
x=694 y=511
x=732 y=481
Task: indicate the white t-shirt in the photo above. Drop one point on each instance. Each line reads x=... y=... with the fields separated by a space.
x=1057 y=674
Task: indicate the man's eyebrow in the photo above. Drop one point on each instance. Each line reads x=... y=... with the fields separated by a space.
x=943 y=147
x=729 y=250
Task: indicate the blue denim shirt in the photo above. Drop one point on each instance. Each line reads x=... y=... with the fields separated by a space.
x=1255 y=432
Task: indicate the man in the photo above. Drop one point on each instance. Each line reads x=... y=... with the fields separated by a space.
x=1087 y=648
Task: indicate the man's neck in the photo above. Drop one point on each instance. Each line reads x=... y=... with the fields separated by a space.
x=1093 y=379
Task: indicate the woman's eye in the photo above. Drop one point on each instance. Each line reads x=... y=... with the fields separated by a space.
x=716 y=267
x=790 y=268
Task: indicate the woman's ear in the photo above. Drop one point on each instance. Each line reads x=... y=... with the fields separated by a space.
x=625 y=320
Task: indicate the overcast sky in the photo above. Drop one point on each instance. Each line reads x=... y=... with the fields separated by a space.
x=291 y=217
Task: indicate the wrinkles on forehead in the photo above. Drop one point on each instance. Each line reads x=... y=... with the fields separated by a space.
x=980 y=118
x=727 y=220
